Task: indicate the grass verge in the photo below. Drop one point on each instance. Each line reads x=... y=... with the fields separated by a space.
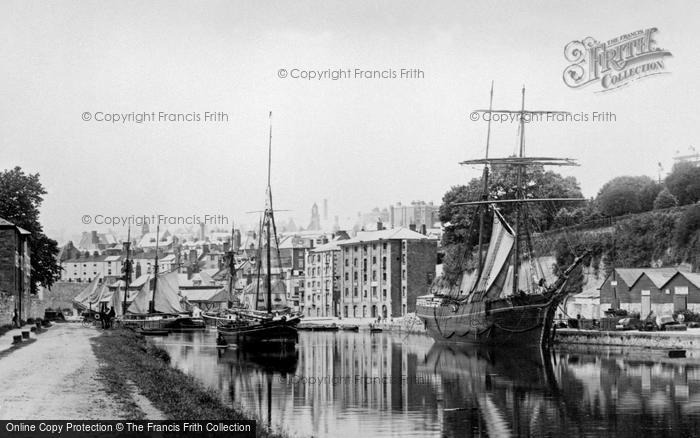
x=126 y=355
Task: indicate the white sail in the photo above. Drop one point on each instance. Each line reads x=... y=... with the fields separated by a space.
x=167 y=299
x=497 y=256
x=89 y=297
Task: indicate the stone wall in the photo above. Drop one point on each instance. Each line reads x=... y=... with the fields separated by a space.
x=7 y=307
x=61 y=294
x=689 y=339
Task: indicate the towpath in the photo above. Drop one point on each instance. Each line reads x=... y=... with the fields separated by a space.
x=55 y=376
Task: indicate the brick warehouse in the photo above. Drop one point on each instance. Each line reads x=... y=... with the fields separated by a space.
x=15 y=271
x=383 y=272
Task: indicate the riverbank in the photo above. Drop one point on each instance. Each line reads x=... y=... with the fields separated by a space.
x=128 y=356
x=689 y=339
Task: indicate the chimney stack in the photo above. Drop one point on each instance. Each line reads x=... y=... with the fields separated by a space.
x=380 y=225
x=412 y=227
x=424 y=230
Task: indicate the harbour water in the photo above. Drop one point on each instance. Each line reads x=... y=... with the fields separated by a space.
x=383 y=384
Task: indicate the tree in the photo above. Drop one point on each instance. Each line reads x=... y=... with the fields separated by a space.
x=684 y=183
x=461 y=223
x=537 y=183
x=627 y=194
x=20 y=199
x=665 y=200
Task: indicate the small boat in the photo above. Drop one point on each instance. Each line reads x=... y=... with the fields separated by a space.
x=332 y=327
x=152 y=331
x=186 y=324
x=374 y=329
x=351 y=328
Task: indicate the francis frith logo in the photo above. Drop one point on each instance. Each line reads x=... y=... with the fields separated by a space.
x=614 y=63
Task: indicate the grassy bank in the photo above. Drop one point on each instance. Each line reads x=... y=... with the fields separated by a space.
x=125 y=355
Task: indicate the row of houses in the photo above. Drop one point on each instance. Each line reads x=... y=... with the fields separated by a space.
x=661 y=291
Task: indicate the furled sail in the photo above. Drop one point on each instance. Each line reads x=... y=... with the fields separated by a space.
x=167 y=299
x=497 y=258
x=91 y=295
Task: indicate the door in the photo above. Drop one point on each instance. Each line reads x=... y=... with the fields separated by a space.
x=646 y=304
x=680 y=298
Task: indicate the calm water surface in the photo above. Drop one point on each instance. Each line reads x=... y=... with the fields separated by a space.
x=362 y=385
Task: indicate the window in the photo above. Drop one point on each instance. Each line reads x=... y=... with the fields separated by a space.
x=374 y=291
x=403 y=274
x=374 y=275
x=355 y=276
x=364 y=293
x=354 y=291
x=403 y=291
x=374 y=260
x=354 y=262
x=384 y=276
x=364 y=277
x=384 y=294
x=347 y=262
x=347 y=276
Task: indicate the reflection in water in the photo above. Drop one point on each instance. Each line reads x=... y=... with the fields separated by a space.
x=350 y=384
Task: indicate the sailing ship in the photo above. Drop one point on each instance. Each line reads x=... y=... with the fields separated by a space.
x=253 y=329
x=500 y=304
x=158 y=305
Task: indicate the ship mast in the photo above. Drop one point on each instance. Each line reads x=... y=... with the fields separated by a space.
x=485 y=193
x=127 y=269
x=152 y=305
x=268 y=219
x=519 y=195
x=520 y=161
x=231 y=267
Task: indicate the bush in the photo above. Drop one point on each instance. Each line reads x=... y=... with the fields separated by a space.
x=665 y=200
x=688 y=315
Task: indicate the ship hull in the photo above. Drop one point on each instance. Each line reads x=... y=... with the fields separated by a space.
x=522 y=321
x=261 y=336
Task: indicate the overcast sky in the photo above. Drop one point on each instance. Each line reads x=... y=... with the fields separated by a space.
x=358 y=142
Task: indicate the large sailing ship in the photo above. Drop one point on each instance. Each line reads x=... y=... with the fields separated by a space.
x=507 y=300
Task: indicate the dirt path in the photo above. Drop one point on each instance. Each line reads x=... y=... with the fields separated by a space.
x=56 y=377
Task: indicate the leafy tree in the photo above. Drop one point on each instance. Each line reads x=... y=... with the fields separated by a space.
x=684 y=183
x=665 y=200
x=461 y=223
x=20 y=198
x=688 y=225
x=627 y=194
x=537 y=183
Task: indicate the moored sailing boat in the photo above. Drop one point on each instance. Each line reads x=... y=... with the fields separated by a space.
x=502 y=305
x=157 y=306
x=267 y=330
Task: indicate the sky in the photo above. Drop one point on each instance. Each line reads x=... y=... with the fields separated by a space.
x=357 y=142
